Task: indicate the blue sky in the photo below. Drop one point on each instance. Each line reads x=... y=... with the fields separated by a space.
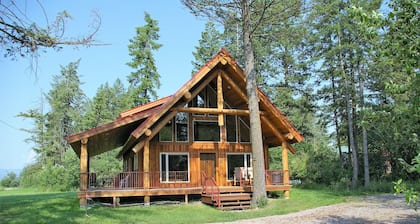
x=20 y=88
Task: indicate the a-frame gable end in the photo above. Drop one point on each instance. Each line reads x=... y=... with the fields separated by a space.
x=222 y=57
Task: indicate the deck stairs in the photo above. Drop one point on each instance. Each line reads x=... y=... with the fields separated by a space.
x=231 y=198
x=229 y=201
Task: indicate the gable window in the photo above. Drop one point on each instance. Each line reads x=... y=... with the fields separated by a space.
x=231 y=133
x=237 y=160
x=174 y=167
x=207 y=98
x=206 y=131
x=244 y=130
x=211 y=97
x=165 y=134
x=181 y=127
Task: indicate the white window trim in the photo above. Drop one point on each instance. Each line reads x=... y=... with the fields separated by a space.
x=167 y=165
x=237 y=153
x=209 y=121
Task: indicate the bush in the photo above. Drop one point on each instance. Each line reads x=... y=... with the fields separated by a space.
x=343 y=184
x=262 y=202
x=10 y=180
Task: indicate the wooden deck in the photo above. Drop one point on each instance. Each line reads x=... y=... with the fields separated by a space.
x=115 y=194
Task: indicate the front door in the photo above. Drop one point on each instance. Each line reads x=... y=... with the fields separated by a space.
x=208 y=164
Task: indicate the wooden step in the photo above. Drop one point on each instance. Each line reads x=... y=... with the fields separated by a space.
x=229 y=201
x=232 y=203
x=235 y=196
x=239 y=207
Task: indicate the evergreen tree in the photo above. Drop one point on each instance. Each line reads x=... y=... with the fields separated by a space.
x=106 y=105
x=65 y=100
x=209 y=44
x=144 y=80
x=55 y=166
x=344 y=49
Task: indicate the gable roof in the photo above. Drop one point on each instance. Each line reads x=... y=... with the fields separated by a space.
x=99 y=137
x=134 y=126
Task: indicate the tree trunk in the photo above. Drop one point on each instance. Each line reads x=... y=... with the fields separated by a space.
x=259 y=192
x=364 y=132
x=349 y=113
x=337 y=127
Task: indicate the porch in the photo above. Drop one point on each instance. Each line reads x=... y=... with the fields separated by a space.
x=131 y=185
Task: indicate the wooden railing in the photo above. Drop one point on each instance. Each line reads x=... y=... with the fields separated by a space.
x=274 y=177
x=134 y=180
x=210 y=188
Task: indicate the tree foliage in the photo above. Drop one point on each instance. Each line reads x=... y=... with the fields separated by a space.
x=22 y=37
x=11 y=180
x=145 y=79
x=209 y=44
x=55 y=165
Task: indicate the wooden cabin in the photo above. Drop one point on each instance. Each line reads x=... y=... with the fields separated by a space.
x=194 y=142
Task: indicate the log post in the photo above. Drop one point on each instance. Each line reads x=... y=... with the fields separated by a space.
x=220 y=99
x=146 y=170
x=285 y=165
x=84 y=170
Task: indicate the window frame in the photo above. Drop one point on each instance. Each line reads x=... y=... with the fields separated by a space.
x=207 y=121
x=167 y=154
x=240 y=121
x=235 y=129
x=176 y=127
x=245 y=163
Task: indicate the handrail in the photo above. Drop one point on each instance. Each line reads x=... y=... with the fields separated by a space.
x=210 y=183
x=135 y=179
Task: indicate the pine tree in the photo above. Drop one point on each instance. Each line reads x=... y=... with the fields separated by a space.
x=65 y=100
x=209 y=44
x=106 y=105
x=54 y=168
x=144 y=80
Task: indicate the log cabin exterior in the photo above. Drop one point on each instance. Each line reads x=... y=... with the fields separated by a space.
x=195 y=141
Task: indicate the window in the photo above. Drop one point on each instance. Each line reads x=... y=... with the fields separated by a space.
x=181 y=127
x=206 y=131
x=237 y=160
x=136 y=162
x=244 y=130
x=174 y=167
x=207 y=98
x=211 y=97
x=231 y=133
x=165 y=134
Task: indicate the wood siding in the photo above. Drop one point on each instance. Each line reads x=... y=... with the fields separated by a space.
x=194 y=150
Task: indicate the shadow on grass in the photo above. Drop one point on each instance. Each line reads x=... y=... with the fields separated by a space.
x=57 y=208
x=64 y=208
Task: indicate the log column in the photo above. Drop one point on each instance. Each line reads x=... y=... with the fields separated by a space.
x=84 y=169
x=146 y=170
x=285 y=163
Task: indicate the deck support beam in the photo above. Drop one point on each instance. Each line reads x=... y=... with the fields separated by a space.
x=146 y=200
x=146 y=169
x=285 y=165
x=84 y=170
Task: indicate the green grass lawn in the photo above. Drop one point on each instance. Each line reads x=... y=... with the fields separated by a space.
x=26 y=206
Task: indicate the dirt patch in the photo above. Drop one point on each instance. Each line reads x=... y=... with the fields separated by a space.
x=384 y=208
